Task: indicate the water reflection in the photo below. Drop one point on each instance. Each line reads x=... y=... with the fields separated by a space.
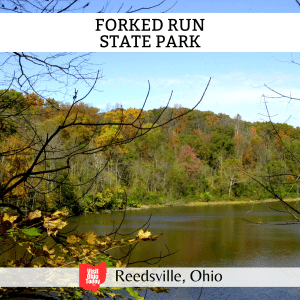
x=210 y=236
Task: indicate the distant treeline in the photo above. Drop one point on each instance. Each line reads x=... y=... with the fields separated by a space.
x=201 y=156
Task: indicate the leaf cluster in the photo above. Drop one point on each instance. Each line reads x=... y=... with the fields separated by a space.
x=39 y=242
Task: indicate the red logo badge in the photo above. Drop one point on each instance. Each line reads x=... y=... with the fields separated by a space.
x=90 y=277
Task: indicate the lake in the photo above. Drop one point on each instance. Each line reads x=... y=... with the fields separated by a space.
x=234 y=235
x=208 y=235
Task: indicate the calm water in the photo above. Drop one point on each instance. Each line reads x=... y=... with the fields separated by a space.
x=209 y=236
x=212 y=236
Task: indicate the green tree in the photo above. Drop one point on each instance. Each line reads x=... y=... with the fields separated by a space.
x=222 y=145
x=43 y=162
x=231 y=173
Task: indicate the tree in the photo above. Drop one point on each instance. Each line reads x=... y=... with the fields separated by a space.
x=189 y=160
x=38 y=163
x=231 y=170
x=281 y=173
x=221 y=145
x=51 y=162
x=36 y=6
x=38 y=158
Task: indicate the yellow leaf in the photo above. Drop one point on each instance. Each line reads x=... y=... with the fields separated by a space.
x=64 y=250
x=91 y=237
x=107 y=238
x=143 y=235
x=88 y=260
x=59 y=260
x=103 y=244
x=52 y=225
x=47 y=222
x=47 y=250
x=61 y=213
x=61 y=224
x=11 y=219
x=35 y=214
x=72 y=239
x=159 y=289
x=29 y=250
x=112 y=295
x=120 y=264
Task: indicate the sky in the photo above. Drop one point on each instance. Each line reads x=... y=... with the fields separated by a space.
x=237 y=85
x=238 y=79
x=186 y=6
x=206 y=6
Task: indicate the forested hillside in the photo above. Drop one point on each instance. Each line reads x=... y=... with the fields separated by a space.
x=200 y=156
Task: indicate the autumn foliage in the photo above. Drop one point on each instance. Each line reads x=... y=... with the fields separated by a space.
x=55 y=155
x=89 y=152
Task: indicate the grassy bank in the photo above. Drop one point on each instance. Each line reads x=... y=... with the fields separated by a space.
x=110 y=201
x=198 y=203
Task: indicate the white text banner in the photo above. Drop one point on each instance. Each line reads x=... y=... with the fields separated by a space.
x=155 y=277
x=150 y=32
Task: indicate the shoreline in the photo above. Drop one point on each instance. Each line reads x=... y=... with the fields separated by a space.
x=195 y=203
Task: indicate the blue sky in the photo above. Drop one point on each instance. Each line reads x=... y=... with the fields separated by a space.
x=187 y=6
x=208 y=6
x=237 y=82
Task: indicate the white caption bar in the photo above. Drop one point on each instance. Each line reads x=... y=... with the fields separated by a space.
x=153 y=277
x=150 y=32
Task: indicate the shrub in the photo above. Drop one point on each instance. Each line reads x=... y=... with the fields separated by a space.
x=205 y=197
